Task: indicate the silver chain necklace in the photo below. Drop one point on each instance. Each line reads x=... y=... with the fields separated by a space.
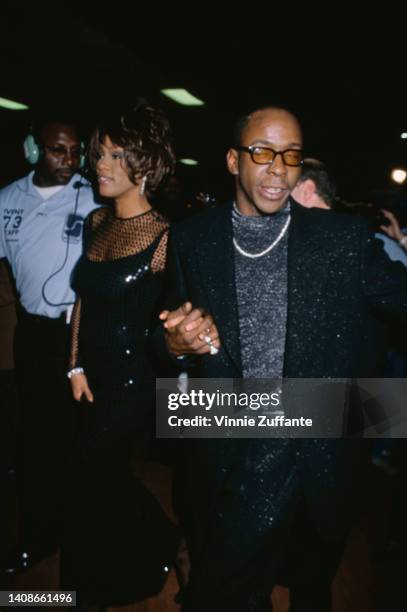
x=269 y=248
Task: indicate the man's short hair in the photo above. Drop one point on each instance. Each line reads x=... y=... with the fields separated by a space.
x=316 y=171
x=42 y=121
x=243 y=120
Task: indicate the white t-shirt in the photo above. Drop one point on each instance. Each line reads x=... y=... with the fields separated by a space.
x=47 y=192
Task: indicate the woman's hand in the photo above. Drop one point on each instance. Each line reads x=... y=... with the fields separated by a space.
x=79 y=384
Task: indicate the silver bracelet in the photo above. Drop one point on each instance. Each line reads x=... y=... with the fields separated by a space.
x=403 y=242
x=75 y=371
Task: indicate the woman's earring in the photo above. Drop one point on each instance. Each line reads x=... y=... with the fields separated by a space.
x=143 y=185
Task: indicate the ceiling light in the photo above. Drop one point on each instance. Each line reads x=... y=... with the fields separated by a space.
x=182 y=96
x=11 y=105
x=398 y=175
x=188 y=162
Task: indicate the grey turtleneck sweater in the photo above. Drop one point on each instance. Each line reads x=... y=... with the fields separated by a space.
x=261 y=288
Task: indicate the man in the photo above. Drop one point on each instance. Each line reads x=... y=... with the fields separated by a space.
x=41 y=220
x=315 y=189
x=264 y=288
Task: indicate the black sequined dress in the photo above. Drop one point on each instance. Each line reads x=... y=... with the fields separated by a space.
x=118 y=538
x=119 y=281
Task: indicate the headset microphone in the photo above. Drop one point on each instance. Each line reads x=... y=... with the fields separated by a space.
x=77 y=185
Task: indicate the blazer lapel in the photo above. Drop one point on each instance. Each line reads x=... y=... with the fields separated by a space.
x=216 y=263
x=308 y=269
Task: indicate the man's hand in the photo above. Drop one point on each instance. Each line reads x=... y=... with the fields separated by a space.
x=393 y=229
x=79 y=384
x=190 y=331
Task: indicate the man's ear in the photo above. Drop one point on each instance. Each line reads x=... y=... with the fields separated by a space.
x=304 y=192
x=309 y=190
x=298 y=192
x=232 y=162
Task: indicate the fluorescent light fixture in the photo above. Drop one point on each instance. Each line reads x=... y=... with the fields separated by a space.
x=182 y=96
x=403 y=135
x=398 y=175
x=11 y=105
x=188 y=162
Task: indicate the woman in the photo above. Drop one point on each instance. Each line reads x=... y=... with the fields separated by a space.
x=119 y=542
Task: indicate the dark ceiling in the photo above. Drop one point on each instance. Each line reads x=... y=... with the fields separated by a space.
x=346 y=83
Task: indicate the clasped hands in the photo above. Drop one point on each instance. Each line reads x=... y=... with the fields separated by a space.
x=190 y=331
